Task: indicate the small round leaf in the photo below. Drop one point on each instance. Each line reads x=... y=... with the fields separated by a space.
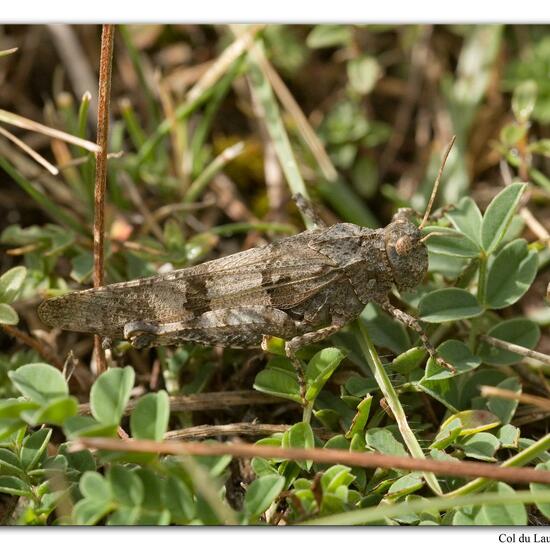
x=448 y=304
x=39 y=382
x=110 y=393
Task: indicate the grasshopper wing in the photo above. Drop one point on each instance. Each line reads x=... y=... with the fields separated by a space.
x=281 y=275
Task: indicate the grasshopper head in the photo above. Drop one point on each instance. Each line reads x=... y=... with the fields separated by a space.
x=407 y=254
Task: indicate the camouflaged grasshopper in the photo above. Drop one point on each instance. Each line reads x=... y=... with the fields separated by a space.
x=301 y=288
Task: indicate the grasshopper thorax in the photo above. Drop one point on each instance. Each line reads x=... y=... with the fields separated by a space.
x=407 y=254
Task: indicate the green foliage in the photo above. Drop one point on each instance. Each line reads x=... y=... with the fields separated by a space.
x=176 y=197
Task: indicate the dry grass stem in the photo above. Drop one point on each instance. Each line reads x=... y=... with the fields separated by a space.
x=31 y=125
x=105 y=65
x=30 y=151
x=540 y=402
x=520 y=350
x=249 y=429
x=323 y=456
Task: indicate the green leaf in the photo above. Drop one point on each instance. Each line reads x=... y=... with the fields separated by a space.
x=406 y=485
x=10 y=464
x=40 y=382
x=505 y=408
x=540 y=147
x=8 y=315
x=511 y=274
x=467 y=219
x=95 y=487
x=448 y=304
x=447 y=434
x=451 y=243
x=126 y=486
x=508 y=435
x=90 y=512
x=335 y=477
x=320 y=369
x=300 y=436
x=524 y=99
x=408 y=361
x=110 y=394
x=56 y=411
x=12 y=408
x=504 y=514
x=278 y=382
x=544 y=507
x=328 y=36
x=149 y=420
x=14 y=486
x=363 y=74
x=261 y=493
x=11 y=283
x=457 y=354
x=179 y=500
x=85 y=426
x=473 y=421
x=383 y=441
x=481 y=446
x=522 y=332
x=511 y=134
x=360 y=419
x=34 y=448
x=499 y=214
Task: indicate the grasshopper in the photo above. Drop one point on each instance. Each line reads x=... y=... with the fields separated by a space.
x=301 y=288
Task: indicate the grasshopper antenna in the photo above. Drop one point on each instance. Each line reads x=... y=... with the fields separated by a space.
x=436 y=184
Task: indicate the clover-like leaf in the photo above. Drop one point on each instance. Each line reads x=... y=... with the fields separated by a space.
x=39 y=382
x=11 y=283
x=450 y=242
x=499 y=214
x=110 y=393
x=300 y=436
x=448 y=304
x=261 y=493
x=8 y=315
x=320 y=369
x=467 y=219
x=511 y=274
x=149 y=420
x=522 y=332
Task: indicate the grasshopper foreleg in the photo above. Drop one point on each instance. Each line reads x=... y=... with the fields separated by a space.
x=411 y=322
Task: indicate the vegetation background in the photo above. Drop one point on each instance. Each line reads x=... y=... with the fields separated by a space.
x=212 y=129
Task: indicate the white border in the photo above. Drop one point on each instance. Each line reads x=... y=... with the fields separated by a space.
x=284 y=11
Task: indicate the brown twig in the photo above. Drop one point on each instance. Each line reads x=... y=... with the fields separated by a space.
x=206 y=401
x=238 y=428
x=540 y=402
x=514 y=348
x=42 y=349
x=323 y=456
x=105 y=64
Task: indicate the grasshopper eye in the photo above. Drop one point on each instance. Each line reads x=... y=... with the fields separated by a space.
x=404 y=245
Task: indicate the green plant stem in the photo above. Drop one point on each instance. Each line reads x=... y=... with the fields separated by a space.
x=521 y=459
x=375 y=514
x=482 y=280
x=392 y=400
x=308 y=409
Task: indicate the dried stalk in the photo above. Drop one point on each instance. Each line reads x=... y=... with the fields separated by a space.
x=323 y=456
x=105 y=64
